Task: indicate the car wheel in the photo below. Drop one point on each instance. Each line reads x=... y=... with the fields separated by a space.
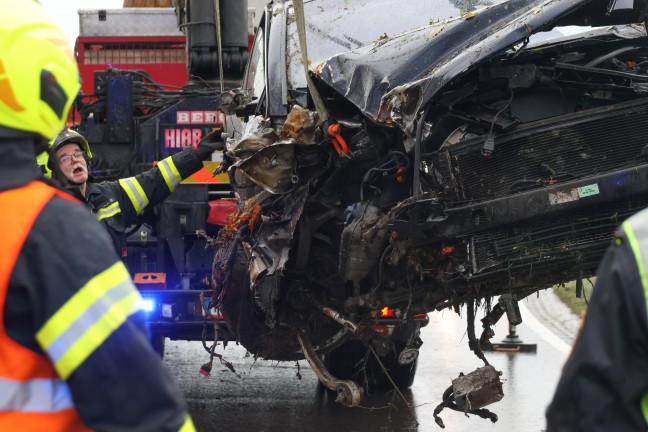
x=248 y=325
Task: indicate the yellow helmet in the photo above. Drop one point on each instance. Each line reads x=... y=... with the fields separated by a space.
x=42 y=160
x=39 y=77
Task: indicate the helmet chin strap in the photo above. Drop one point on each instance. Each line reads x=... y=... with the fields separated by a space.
x=55 y=166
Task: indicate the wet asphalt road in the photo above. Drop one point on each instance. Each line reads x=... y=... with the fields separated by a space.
x=270 y=396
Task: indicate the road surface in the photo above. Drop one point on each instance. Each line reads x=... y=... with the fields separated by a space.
x=271 y=396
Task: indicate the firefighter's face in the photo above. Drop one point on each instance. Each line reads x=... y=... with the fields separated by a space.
x=72 y=163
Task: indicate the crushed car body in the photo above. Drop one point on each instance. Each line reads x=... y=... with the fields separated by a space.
x=455 y=155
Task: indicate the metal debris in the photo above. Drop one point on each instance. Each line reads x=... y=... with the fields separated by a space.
x=470 y=393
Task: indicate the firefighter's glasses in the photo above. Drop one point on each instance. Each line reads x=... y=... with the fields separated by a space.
x=67 y=159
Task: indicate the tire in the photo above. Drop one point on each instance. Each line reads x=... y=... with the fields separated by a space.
x=247 y=323
x=348 y=362
x=157 y=342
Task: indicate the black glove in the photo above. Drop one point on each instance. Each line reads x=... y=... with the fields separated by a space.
x=212 y=142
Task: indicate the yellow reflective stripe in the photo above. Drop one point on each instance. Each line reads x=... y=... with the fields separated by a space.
x=108 y=211
x=97 y=334
x=638 y=223
x=86 y=320
x=135 y=192
x=188 y=426
x=636 y=250
x=644 y=407
x=170 y=173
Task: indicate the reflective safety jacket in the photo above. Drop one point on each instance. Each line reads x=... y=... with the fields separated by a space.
x=32 y=395
x=604 y=384
x=118 y=203
x=73 y=348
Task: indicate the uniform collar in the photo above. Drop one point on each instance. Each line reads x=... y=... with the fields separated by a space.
x=96 y=196
x=17 y=163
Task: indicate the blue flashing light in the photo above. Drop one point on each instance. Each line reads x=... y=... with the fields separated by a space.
x=147 y=305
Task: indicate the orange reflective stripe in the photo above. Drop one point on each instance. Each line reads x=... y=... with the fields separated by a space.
x=64 y=421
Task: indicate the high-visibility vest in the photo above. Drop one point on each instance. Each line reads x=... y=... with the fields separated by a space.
x=32 y=396
x=636 y=232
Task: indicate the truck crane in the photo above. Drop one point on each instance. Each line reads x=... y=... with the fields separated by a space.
x=151 y=78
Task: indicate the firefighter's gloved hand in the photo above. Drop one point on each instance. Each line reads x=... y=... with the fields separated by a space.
x=212 y=142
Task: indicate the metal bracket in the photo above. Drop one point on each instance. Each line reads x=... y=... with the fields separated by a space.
x=512 y=342
x=348 y=392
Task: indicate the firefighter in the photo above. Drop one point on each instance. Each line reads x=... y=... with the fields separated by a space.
x=604 y=383
x=73 y=352
x=117 y=204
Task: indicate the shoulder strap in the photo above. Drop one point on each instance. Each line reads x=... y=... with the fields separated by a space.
x=19 y=209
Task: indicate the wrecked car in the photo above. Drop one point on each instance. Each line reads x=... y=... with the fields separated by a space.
x=431 y=157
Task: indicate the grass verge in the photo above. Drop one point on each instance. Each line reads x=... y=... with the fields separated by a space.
x=567 y=294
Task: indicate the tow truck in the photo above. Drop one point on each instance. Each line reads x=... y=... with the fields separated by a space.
x=150 y=87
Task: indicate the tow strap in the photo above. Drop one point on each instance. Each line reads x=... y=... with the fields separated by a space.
x=301 y=31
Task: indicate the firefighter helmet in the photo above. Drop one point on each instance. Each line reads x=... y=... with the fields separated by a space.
x=68 y=136
x=39 y=77
x=42 y=160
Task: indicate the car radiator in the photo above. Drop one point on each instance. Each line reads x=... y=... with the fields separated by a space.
x=554 y=150
x=546 y=244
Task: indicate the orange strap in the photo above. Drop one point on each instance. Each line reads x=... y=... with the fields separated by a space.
x=340 y=145
x=19 y=209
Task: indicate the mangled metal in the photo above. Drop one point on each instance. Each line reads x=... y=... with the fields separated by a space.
x=357 y=256
x=461 y=158
x=348 y=392
x=423 y=60
x=471 y=393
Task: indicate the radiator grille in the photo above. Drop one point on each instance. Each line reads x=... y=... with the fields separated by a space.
x=589 y=145
x=546 y=247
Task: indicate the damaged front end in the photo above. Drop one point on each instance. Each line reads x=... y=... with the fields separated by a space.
x=492 y=155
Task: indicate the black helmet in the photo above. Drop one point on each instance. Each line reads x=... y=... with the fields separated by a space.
x=68 y=136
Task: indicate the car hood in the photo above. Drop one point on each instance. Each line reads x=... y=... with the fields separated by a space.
x=391 y=78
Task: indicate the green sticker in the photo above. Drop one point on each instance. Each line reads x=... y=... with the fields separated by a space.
x=588 y=190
